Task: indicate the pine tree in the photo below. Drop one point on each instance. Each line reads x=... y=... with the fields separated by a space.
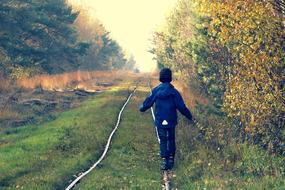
x=38 y=34
x=104 y=52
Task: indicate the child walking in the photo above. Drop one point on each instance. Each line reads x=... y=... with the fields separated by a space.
x=167 y=100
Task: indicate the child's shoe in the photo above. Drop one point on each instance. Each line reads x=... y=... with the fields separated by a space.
x=164 y=164
x=170 y=162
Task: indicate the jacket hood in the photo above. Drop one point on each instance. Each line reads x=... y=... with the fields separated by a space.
x=165 y=90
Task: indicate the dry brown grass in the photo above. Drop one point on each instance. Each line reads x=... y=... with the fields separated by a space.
x=7 y=113
x=190 y=96
x=5 y=85
x=76 y=79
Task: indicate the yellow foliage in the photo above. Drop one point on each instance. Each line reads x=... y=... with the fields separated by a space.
x=253 y=33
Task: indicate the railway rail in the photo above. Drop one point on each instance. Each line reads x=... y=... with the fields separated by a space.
x=165 y=174
x=107 y=146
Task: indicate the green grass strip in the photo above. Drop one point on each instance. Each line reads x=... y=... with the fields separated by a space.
x=48 y=155
x=133 y=160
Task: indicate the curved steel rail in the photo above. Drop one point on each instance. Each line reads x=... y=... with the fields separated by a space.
x=73 y=183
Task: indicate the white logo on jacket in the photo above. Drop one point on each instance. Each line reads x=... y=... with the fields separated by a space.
x=164 y=122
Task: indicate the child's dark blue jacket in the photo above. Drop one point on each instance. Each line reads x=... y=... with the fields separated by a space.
x=167 y=100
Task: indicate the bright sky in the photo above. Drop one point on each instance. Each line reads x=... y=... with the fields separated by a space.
x=132 y=23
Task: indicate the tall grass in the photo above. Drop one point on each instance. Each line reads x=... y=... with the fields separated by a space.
x=74 y=79
x=5 y=85
x=190 y=96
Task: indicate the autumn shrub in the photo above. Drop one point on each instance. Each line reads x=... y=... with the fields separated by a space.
x=231 y=52
x=271 y=135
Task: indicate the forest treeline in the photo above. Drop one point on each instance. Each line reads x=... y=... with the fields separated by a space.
x=104 y=52
x=51 y=37
x=233 y=53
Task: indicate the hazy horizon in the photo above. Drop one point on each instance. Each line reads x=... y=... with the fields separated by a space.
x=131 y=23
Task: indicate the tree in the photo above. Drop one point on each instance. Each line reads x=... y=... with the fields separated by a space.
x=235 y=51
x=104 y=52
x=38 y=34
x=131 y=63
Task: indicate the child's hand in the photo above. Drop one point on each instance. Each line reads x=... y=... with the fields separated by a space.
x=141 y=108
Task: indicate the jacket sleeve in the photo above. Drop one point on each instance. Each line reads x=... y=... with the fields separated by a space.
x=149 y=101
x=180 y=105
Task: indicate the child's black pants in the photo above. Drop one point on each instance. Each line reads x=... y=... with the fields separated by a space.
x=167 y=141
